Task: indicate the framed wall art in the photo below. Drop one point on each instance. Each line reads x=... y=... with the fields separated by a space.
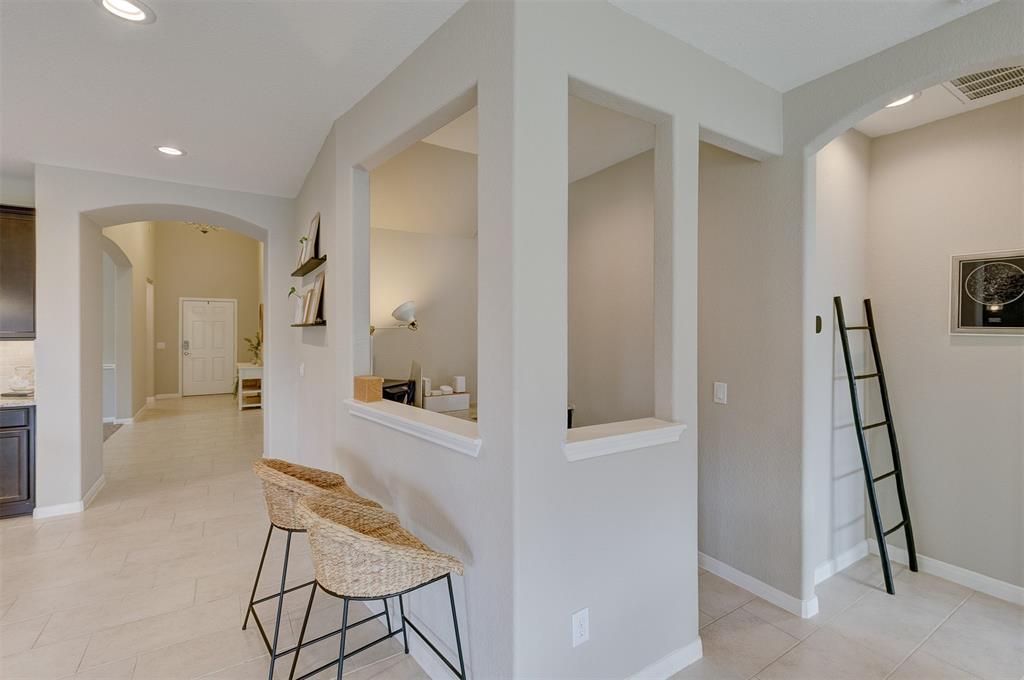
x=987 y=294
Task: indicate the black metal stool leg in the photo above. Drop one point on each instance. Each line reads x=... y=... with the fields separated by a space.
x=387 y=613
x=302 y=632
x=455 y=620
x=405 y=632
x=344 y=630
x=257 y=581
x=280 y=606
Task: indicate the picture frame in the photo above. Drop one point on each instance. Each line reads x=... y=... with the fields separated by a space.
x=987 y=293
x=311 y=238
x=305 y=305
x=316 y=294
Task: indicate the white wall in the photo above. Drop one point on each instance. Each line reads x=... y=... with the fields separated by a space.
x=611 y=293
x=840 y=258
x=516 y=600
x=439 y=273
x=72 y=207
x=951 y=187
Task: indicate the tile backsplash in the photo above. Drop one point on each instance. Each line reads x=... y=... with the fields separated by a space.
x=14 y=353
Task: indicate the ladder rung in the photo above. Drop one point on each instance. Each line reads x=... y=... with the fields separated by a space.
x=887 y=474
x=874 y=425
x=866 y=375
x=898 y=526
x=858 y=328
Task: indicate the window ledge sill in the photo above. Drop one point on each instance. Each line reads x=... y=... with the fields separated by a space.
x=452 y=433
x=603 y=440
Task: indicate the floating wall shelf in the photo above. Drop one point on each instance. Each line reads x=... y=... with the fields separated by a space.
x=310 y=265
x=321 y=322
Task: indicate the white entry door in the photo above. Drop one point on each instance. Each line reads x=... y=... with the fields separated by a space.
x=207 y=346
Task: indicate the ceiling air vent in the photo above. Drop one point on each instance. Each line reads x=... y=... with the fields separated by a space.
x=977 y=86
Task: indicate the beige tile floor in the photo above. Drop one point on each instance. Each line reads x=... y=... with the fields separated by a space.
x=152 y=580
x=930 y=630
x=151 y=583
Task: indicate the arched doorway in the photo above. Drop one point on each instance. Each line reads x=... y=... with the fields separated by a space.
x=73 y=208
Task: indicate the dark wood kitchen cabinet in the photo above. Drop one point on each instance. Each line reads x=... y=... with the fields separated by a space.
x=17 y=460
x=17 y=273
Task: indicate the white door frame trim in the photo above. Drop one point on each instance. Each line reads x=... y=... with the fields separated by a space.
x=234 y=345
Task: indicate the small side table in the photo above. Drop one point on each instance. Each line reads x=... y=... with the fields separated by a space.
x=250 y=386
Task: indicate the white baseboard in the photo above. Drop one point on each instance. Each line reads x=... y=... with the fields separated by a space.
x=802 y=608
x=672 y=663
x=833 y=566
x=44 y=511
x=176 y=395
x=150 y=401
x=124 y=421
x=425 y=657
x=965 y=577
x=110 y=420
x=93 y=491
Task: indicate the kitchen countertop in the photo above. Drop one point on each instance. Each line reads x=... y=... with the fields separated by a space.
x=10 y=402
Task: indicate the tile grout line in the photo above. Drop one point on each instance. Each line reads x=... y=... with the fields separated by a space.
x=929 y=637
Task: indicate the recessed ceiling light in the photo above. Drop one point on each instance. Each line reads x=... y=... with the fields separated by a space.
x=129 y=10
x=901 y=101
x=170 y=150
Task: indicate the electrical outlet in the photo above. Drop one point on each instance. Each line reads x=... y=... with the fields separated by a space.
x=302 y=370
x=580 y=627
x=721 y=393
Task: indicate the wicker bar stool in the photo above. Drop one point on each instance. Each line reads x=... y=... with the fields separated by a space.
x=361 y=553
x=284 y=484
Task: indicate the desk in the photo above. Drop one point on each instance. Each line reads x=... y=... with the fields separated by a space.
x=250 y=385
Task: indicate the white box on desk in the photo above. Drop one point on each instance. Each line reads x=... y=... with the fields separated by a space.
x=447 y=402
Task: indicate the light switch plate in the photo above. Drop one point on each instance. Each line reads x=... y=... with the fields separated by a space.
x=161 y=345
x=721 y=393
x=580 y=627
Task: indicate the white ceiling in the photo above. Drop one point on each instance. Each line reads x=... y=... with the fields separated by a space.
x=786 y=43
x=248 y=89
x=931 y=104
x=598 y=136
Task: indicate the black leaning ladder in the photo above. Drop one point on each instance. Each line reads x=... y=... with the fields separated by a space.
x=897 y=470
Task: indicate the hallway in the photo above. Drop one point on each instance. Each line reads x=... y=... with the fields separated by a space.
x=152 y=580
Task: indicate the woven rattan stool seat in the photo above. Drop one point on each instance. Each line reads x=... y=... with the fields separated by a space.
x=363 y=552
x=285 y=483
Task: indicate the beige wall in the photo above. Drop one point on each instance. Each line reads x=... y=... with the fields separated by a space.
x=611 y=293
x=423 y=247
x=138 y=242
x=439 y=273
x=426 y=188
x=219 y=264
x=951 y=187
x=747 y=476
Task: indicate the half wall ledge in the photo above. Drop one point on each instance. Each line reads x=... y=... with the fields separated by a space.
x=458 y=435
x=629 y=435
